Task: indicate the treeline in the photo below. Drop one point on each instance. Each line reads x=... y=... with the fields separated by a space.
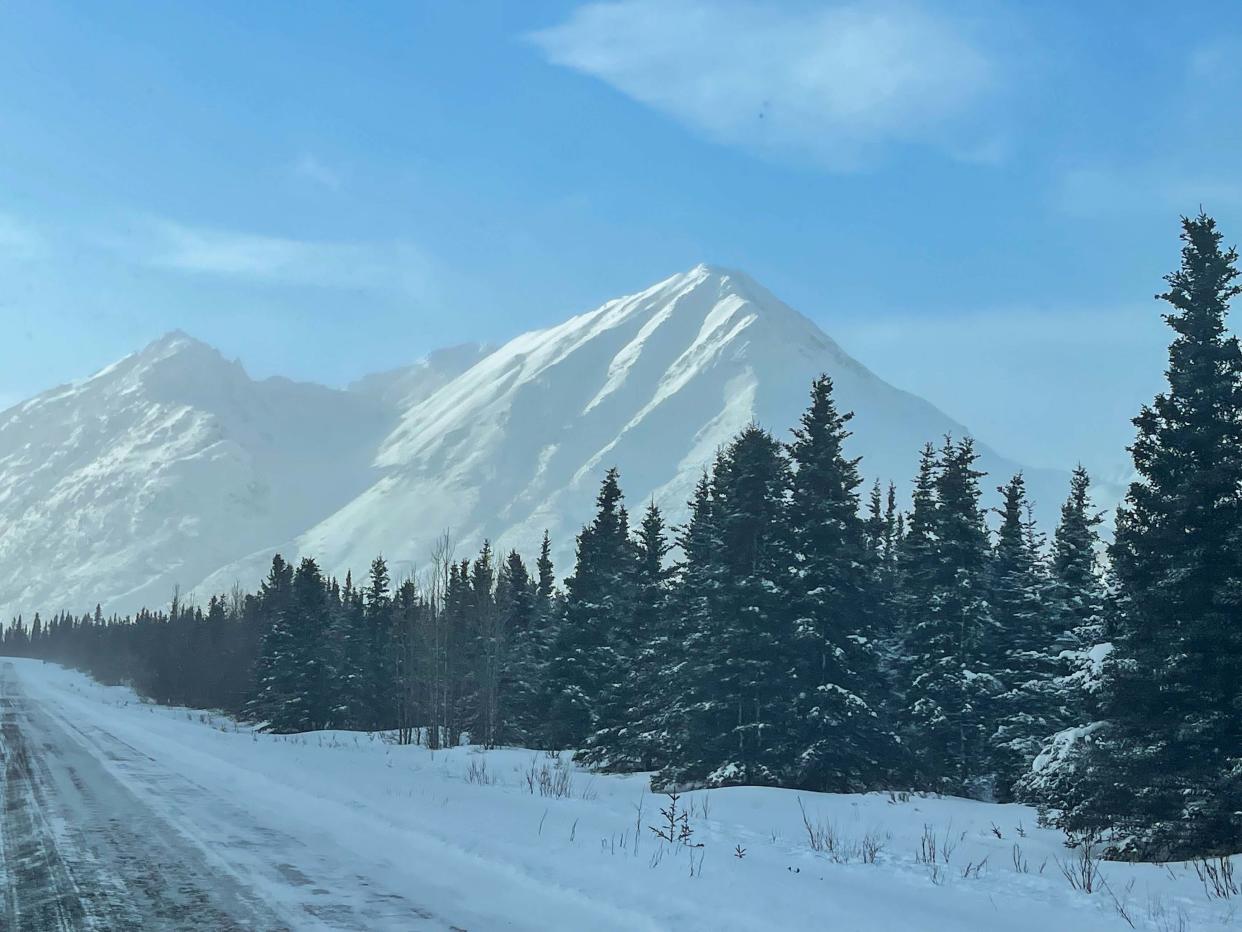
x=800 y=638
x=795 y=631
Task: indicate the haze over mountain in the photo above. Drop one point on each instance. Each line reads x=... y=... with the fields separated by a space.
x=173 y=467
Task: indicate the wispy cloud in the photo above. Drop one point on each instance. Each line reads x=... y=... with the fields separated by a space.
x=371 y=266
x=829 y=84
x=309 y=168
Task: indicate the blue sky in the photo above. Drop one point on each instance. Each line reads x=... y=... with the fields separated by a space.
x=976 y=199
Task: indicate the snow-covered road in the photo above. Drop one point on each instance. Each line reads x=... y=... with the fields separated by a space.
x=122 y=815
x=83 y=848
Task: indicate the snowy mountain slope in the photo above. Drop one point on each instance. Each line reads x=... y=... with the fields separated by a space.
x=409 y=385
x=652 y=383
x=161 y=468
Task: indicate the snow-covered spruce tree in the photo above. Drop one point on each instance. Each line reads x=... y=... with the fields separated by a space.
x=888 y=633
x=545 y=578
x=457 y=657
x=631 y=738
x=380 y=704
x=733 y=715
x=407 y=610
x=271 y=686
x=840 y=743
x=947 y=640
x=696 y=578
x=352 y=680
x=1165 y=774
x=1020 y=643
x=1076 y=597
x=1075 y=606
x=915 y=564
x=882 y=539
x=299 y=698
x=593 y=637
x=518 y=612
x=489 y=650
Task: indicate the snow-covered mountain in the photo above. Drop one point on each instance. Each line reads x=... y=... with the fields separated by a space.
x=652 y=383
x=163 y=467
x=174 y=467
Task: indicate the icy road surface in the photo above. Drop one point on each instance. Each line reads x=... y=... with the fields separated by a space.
x=121 y=815
x=83 y=848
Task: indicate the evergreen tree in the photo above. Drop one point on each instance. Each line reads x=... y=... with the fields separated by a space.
x=631 y=738
x=271 y=687
x=840 y=744
x=733 y=718
x=915 y=565
x=379 y=703
x=1166 y=776
x=517 y=604
x=1076 y=600
x=294 y=692
x=952 y=684
x=407 y=611
x=1018 y=643
x=593 y=637
x=488 y=649
x=545 y=584
x=1075 y=608
x=352 y=707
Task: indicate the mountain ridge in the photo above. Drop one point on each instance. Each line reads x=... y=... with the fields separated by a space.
x=221 y=471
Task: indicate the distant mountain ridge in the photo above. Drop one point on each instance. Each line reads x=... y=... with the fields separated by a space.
x=173 y=467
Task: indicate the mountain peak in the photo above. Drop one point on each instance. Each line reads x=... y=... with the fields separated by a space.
x=173 y=342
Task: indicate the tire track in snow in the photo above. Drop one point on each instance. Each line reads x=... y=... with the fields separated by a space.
x=81 y=853
x=39 y=890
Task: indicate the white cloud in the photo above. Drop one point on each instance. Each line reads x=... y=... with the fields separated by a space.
x=829 y=84
x=379 y=266
x=309 y=168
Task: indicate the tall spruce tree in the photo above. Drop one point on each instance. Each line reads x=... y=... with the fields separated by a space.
x=630 y=740
x=1166 y=778
x=517 y=606
x=379 y=698
x=1074 y=604
x=952 y=684
x=353 y=677
x=915 y=565
x=1076 y=600
x=593 y=636
x=271 y=689
x=734 y=721
x=1018 y=643
x=489 y=645
x=295 y=692
x=841 y=744
x=684 y=661
x=545 y=576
